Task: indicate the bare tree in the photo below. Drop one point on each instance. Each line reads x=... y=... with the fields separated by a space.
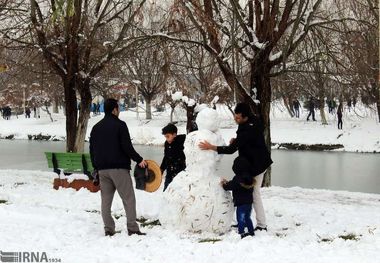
x=148 y=68
x=359 y=56
x=269 y=31
x=77 y=38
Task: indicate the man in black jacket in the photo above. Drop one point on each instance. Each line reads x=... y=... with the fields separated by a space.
x=174 y=160
x=111 y=152
x=250 y=144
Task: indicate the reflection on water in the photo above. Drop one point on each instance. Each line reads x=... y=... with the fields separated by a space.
x=326 y=170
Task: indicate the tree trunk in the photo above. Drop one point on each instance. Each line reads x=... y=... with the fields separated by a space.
x=322 y=111
x=190 y=118
x=71 y=113
x=378 y=102
x=148 y=108
x=287 y=104
x=171 y=113
x=55 y=104
x=261 y=82
x=48 y=112
x=84 y=116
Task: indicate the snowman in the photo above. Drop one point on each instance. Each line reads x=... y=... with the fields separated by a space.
x=195 y=201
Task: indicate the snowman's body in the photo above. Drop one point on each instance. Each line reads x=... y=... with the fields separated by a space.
x=195 y=201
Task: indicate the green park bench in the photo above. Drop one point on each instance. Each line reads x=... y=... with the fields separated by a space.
x=71 y=163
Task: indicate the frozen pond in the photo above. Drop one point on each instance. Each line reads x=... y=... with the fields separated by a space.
x=324 y=170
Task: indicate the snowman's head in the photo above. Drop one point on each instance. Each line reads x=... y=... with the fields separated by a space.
x=207 y=119
x=197 y=159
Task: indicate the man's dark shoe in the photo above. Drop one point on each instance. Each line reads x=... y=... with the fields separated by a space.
x=261 y=228
x=130 y=233
x=109 y=233
x=246 y=235
x=234 y=225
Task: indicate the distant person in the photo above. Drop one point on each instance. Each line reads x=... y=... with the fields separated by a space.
x=111 y=152
x=34 y=112
x=296 y=107
x=340 y=116
x=330 y=106
x=8 y=112
x=311 y=106
x=174 y=160
x=241 y=186
x=27 y=113
x=349 y=104
x=333 y=105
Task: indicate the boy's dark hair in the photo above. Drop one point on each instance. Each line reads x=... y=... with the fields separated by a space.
x=170 y=128
x=241 y=165
x=243 y=170
x=243 y=109
x=110 y=105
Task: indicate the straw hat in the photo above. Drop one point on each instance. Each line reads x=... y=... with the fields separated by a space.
x=150 y=177
x=155 y=176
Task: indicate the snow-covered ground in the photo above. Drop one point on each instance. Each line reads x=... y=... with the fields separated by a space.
x=304 y=226
x=361 y=130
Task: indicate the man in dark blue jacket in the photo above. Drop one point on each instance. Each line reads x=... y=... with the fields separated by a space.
x=250 y=144
x=111 y=152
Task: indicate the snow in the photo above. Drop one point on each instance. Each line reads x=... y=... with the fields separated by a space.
x=195 y=201
x=107 y=43
x=275 y=56
x=207 y=119
x=83 y=74
x=70 y=178
x=215 y=100
x=188 y=101
x=177 y=96
x=200 y=107
x=360 y=132
x=304 y=226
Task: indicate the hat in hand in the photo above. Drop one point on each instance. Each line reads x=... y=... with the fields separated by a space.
x=148 y=178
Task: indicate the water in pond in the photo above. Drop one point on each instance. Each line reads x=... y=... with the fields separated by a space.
x=324 y=170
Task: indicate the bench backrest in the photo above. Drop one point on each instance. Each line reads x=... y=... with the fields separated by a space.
x=69 y=162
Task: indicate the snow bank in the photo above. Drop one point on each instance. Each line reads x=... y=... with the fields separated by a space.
x=304 y=226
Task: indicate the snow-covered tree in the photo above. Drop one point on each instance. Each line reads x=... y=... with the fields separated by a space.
x=267 y=33
x=77 y=38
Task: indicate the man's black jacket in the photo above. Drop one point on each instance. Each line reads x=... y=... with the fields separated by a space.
x=174 y=160
x=110 y=145
x=250 y=143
